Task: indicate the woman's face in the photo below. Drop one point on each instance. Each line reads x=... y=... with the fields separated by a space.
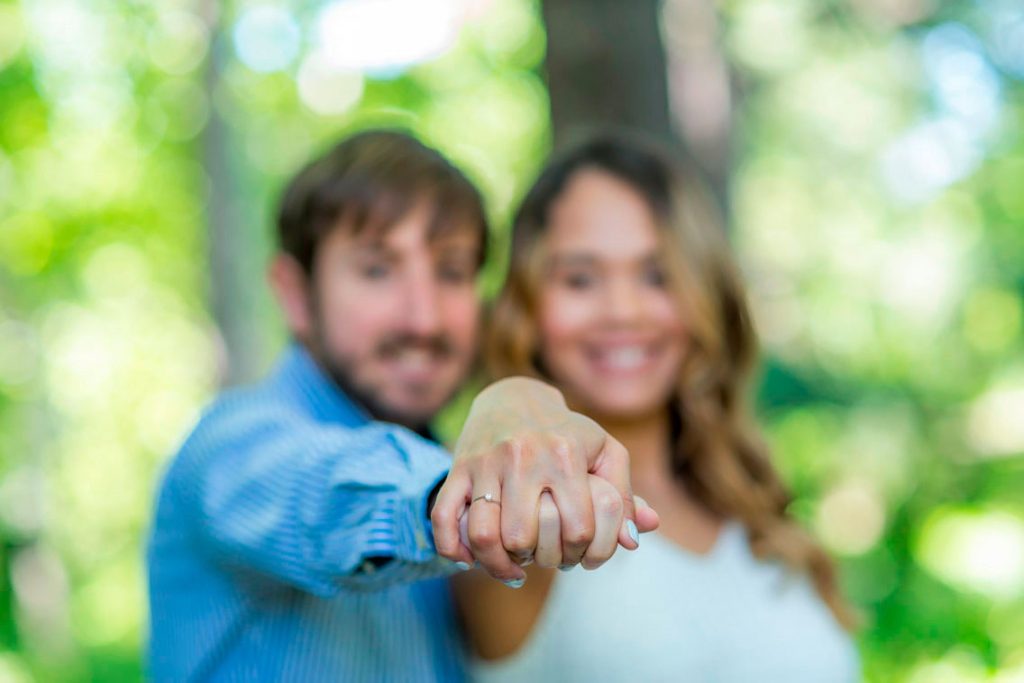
x=611 y=333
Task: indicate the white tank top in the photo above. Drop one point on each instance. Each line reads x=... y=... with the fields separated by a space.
x=662 y=613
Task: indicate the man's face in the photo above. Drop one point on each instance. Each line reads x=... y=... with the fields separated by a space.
x=395 y=315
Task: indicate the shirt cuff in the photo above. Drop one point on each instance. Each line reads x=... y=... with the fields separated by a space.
x=401 y=526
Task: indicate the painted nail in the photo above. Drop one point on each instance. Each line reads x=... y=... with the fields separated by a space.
x=633 y=533
x=566 y=567
x=514 y=583
x=462 y=566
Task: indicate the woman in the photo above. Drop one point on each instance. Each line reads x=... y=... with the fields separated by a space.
x=622 y=292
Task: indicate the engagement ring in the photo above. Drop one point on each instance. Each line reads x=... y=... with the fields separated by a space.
x=487 y=498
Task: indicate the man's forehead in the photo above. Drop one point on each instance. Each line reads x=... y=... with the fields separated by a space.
x=415 y=230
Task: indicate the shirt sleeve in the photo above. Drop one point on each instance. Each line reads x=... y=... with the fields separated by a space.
x=320 y=507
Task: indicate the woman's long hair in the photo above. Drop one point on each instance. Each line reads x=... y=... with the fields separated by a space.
x=718 y=453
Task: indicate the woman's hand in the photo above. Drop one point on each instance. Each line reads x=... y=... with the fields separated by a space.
x=526 y=449
x=549 y=541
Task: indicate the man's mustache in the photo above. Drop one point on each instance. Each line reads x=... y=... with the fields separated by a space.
x=437 y=345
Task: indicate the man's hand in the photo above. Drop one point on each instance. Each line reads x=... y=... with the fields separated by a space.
x=549 y=543
x=521 y=442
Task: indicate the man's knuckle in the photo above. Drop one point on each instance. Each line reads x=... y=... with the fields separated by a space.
x=616 y=448
x=517 y=541
x=440 y=516
x=579 y=534
x=608 y=503
x=548 y=516
x=598 y=557
x=484 y=538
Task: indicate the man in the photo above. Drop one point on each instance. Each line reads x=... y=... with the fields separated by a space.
x=292 y=538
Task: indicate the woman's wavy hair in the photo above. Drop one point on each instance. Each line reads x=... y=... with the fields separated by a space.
x=718 y=454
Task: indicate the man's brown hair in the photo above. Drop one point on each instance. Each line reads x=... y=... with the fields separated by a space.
x=368 y=182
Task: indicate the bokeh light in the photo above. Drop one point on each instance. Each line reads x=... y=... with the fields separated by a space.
x=266 y=38
x=12 y=34
x=981 y=551
x=1006 y=25
x=178 y=43
x=994 y=423
x=326 y=89
x=362 y=35
x=851 y=518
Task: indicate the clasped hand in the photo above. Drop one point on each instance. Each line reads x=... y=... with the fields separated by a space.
x=533 y=481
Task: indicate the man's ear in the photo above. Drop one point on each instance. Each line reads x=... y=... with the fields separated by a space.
x=292 y=288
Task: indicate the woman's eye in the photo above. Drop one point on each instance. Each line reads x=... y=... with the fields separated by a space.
x=655 y=277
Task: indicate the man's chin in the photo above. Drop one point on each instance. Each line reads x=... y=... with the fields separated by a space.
x=410 y=404
x=414 y=415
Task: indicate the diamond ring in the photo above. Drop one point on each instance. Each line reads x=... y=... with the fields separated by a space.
x=487 y=498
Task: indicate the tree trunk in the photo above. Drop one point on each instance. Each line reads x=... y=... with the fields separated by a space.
x=235 y=272
x=608 y=65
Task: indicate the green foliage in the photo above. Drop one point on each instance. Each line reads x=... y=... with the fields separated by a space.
x=891 y=314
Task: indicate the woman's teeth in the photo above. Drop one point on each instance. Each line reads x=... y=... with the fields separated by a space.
x=626 y=358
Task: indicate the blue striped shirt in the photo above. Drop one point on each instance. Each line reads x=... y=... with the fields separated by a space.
x=291 y=543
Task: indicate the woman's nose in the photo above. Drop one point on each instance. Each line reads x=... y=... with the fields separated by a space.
x=624 y=302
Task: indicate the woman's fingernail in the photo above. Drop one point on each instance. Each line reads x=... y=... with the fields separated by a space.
x=462 y=566
x=514 y=583
x=633 y=533
x=566 y=567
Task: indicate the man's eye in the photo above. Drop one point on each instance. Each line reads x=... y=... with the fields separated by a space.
x=456 y=275
x=578 y=280
x=376 y=271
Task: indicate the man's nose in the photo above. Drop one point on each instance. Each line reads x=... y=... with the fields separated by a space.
x=423 y=305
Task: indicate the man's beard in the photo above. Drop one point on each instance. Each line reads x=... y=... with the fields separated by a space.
x=342 y=371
